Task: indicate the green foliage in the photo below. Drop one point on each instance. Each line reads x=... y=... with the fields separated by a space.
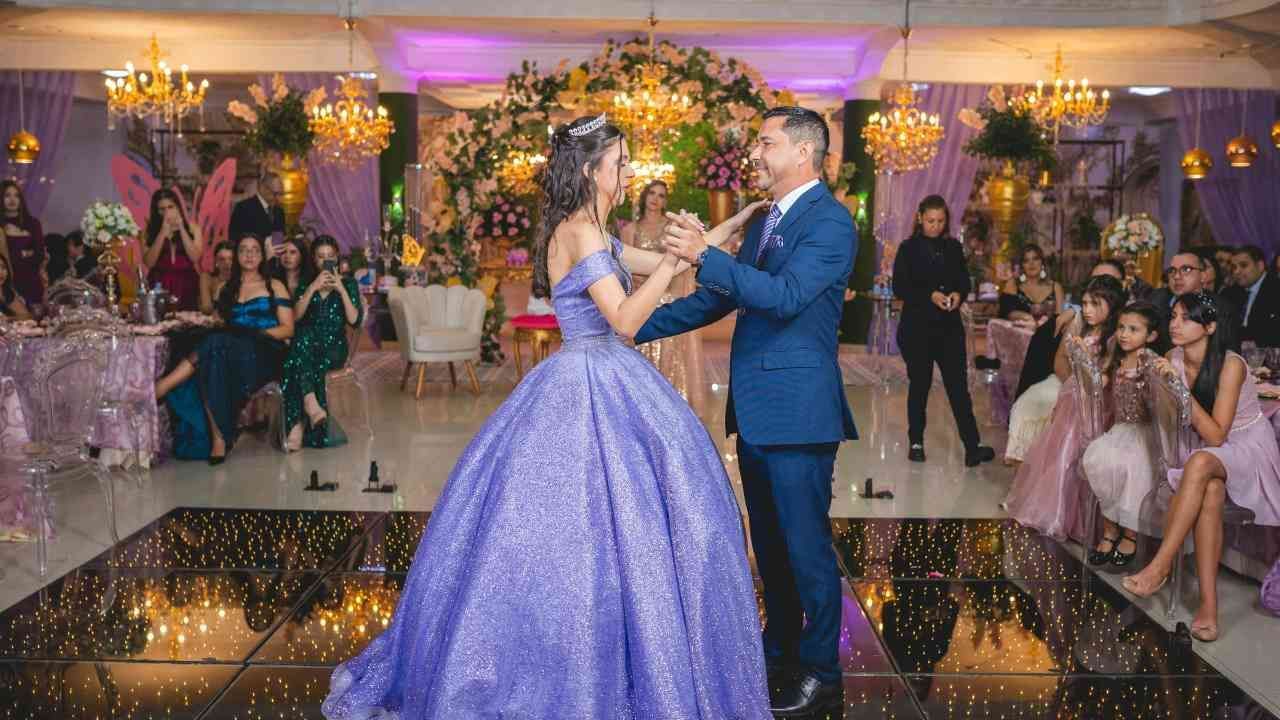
x=283 y=127
x=844 y=178
x=1013 y=136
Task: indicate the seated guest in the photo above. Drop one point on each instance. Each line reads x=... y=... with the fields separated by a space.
x=260 y=214
x=1223 y=254
x=11 y=303
x=173 y=249
x=1214 y=272
x=211 y=282
x=292 y=266
x=22 y=241
x=1187 y=273
x=208 y=389
x=1233 y=455
x=1038 y=385
x=1118 y=464
x=82 y=261
x=1031 y=296
x=1256 y=297
x=1046 y=490
x=55 y=253
x=325 y=308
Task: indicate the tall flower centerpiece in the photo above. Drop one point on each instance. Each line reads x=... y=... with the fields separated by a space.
x=278 y=130
x=106 y=226
x=1137 y=240
x=722 y=172
x=1014 y=144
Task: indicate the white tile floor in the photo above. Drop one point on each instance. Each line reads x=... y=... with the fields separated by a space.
x=416 y=443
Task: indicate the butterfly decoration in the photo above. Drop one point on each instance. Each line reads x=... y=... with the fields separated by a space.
x=212 y=204
x=411 y=252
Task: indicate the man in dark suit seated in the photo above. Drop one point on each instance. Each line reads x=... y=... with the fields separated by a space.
x=260 y=214
x=1256 y=296
x=1185 y=274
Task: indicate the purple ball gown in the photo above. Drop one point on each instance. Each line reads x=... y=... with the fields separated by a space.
x=585 y=559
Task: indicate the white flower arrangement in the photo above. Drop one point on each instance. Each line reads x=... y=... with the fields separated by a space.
x=1133 y=234
x=104 y=221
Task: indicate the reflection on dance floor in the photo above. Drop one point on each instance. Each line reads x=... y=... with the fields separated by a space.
x=211 y=613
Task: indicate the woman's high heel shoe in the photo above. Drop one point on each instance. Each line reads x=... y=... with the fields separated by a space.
x=1204 y=633
x=215 y=460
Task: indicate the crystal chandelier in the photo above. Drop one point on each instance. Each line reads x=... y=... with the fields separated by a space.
x=350 y=131
x=903 y=137
x=137 y=94
x=648 y=168
x=520 y=170
x=649 y=110
x=1065 y=103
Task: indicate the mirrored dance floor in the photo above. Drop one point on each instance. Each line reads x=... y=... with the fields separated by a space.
x=208 y=613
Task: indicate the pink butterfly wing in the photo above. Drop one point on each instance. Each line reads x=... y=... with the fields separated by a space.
x=136 y=184
x=213 y=209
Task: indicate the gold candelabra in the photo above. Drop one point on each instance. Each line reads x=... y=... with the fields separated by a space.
x=1065 y=102
x=143 y=95
x=903 y=137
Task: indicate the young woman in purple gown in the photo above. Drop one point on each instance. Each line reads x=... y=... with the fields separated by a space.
x=1233 y=454
x=585 y=559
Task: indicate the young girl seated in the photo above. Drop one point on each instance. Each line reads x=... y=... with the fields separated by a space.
x=1118 y=465
x=1233 y=454
x=1046 y=490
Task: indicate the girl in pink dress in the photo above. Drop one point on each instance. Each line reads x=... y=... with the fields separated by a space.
x=1233 y=454
x=1047 y=491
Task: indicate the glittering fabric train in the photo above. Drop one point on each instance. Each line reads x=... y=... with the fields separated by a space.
x=585 y=560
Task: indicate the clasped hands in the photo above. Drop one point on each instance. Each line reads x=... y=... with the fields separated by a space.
x=946 y=302
x=686 y=237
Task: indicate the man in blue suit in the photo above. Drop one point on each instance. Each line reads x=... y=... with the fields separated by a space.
x=786 y=393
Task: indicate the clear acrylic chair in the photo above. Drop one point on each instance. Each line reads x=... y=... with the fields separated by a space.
x=62 y=405
x=348 y=375
x=1170 y=405
x=1086 y=371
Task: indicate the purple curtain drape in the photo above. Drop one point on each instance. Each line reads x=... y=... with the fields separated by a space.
x=340 y=202
x=950 y=174
x=47 y=96
x=1240 y=204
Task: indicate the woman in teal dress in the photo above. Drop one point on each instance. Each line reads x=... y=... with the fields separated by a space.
x=325 y=308
x=208 y=388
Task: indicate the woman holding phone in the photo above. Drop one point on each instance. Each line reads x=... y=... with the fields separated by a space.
x=931 y=279
x=324 y=308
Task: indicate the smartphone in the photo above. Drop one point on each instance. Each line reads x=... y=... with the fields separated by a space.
x=330 y=266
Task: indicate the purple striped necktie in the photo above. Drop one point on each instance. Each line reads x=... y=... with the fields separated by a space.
x=766 y=235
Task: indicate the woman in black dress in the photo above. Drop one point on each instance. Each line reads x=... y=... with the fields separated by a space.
x=930 y=276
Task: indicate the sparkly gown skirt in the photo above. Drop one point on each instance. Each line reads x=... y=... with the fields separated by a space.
x=585 y=560
x=1048 y=491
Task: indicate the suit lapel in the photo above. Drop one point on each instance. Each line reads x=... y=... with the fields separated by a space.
x=774 y=256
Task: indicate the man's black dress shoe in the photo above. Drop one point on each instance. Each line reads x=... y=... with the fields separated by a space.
x=780 y=677
x=916 y=453
x=808 y=696
x=978 y=455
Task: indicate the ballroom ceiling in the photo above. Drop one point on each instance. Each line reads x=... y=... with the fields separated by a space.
x=825 y=50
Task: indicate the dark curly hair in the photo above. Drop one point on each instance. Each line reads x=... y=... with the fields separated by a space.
x=566 y=188
x=230 y=294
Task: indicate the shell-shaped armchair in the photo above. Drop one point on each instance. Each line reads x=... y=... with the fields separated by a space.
x=436 y=324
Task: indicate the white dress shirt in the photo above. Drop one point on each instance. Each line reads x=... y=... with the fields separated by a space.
x=790 y=198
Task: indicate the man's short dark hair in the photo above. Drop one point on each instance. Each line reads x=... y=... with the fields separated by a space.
x=804 y=125
x=1253 y=251
x=75 y=238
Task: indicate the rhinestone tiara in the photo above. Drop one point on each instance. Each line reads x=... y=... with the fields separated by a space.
x=590 y=127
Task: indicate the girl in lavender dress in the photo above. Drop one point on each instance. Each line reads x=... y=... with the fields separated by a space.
x=1119 y=465
x=1233 y=454
x=585 y=559
x=1046 y=490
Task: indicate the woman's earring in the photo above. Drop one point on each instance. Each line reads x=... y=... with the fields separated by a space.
x=1022 y=278
x=1043 y=274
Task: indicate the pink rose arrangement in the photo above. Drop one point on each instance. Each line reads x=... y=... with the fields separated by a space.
x=506 y=219
x=723 y=168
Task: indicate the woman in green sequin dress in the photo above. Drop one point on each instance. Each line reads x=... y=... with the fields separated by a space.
x=325 y=308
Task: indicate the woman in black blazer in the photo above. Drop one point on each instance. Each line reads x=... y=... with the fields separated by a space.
x=931 y=278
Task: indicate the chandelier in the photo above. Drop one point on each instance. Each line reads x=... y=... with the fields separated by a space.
x=649 y=110
x=137 y=94
x=1065 y=103
x=350 y=131
x=520 y=171
x=649 y=168
x=903 y=137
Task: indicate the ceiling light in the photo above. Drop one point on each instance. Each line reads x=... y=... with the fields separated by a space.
x=1149 y=90
x=115 y=73
x=364 y=75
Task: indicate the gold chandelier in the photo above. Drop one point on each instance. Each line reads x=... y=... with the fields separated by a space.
x=650 y=168
x=903 y=137
x=1065 y=102
x=520 y=171
x=649 y=110
x=137 y=94
x=350 y=131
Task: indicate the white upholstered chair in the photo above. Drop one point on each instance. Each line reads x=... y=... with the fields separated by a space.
x=436 y=324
